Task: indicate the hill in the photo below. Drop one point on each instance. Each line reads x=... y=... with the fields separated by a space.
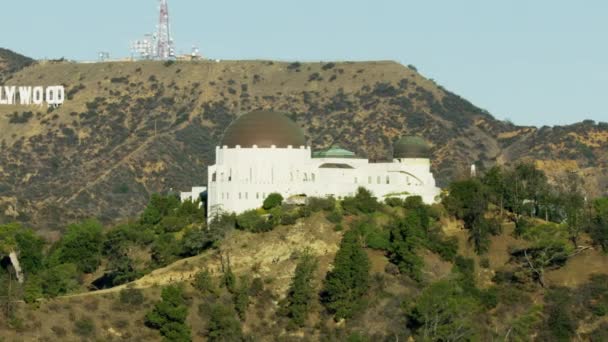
x=130 y=129
x=11 y=62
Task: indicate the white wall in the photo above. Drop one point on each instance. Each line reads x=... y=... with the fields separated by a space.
x=243 y=177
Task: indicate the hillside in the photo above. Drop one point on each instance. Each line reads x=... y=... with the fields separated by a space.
x=273 y=256
x=130 y=129
x=11 y=62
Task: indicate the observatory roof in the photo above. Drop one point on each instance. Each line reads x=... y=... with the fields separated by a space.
x=334 y=152
x=264 y=129
x=411 y=147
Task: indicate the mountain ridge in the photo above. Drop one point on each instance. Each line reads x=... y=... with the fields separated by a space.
x=129 y=129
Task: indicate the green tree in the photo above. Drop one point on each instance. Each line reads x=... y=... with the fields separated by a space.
x=405 y=238
x=301 y=291
x=223 y=325
x=599 y=229
x=549 y=248
x=169 y=315
x=444 y=312
x=273 y=200
x=30 y=248
x=347 y=283
x=468 y=201
x=241 y=297
x=81 y=245
x=203 y=281
x=59 y=280
x=159 y=207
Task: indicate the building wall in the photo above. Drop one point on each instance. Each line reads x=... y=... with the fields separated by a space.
x=242 y=177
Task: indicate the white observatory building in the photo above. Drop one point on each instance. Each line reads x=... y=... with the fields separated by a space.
x=264 y=152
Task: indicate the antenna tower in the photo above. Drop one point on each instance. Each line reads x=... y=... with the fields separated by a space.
x=164 y=48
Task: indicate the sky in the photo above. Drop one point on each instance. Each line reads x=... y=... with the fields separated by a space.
x=540 y=62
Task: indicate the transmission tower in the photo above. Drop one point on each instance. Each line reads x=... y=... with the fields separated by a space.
x=164 y=47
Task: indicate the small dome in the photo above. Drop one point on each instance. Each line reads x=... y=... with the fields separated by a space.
x=411 y=147
x=264 y=129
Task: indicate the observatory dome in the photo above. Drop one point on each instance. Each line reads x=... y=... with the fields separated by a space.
x=411 y=147
x=264 y=129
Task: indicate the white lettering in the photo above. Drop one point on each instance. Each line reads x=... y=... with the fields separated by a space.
x=25 y=95
x=55 y=95
x=38 y=96
x=10 y=94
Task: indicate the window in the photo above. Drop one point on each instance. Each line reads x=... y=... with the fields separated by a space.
x=312 y=176
x=369 y=180
x=378 y=179
x=356 y=180
x=227 y=195
x=246 y=195
x=291 y=176
x=214 y=177
x=230 y=175
x=239 y=195
x=222 y=195
x=388 y=180
x=305 y=177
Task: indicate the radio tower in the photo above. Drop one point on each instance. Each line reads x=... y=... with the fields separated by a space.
x=164 y=47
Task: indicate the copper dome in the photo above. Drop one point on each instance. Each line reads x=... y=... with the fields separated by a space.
x=411 y=147
x=264 y=129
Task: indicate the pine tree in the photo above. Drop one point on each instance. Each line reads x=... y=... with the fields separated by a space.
x=347 y=283
x=301 y=291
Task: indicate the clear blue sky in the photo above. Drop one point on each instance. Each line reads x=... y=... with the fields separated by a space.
x=535 y=62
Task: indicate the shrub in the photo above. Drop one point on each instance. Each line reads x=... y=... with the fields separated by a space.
x=334 y=216
x=223 y=325
x=203 y=281
x=134 y=297
x=273 y=200
x=317 y=203
x=84 y=327
x=248 y=220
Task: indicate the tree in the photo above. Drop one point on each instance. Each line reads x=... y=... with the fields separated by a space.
x=59 y=280
x=169 y=315
x=405 y=237
x=203 y=281
x=468 y=201
x=347 y=283
x=30 y=248
x=599 y=230
x=81 y=245
x=223 y=325
x=301 y=290
x=549 y=248
x=444 y=312
x=363 y=202
x=165 y=249
x=241 y=297
x=273 y=200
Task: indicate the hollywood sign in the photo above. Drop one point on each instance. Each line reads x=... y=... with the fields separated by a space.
x=27 y=96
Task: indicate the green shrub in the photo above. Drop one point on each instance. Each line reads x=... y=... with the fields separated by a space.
x=134 y=297
x=334 y=216
x=249 y=220
x=321 y=203
x=273 y=200
x=203 y=281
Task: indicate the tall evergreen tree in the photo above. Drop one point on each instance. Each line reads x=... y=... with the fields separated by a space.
x=347 y=283
x=301 y=291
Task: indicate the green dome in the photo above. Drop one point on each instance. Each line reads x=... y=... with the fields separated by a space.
x=264 y=129
x=411 y=147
